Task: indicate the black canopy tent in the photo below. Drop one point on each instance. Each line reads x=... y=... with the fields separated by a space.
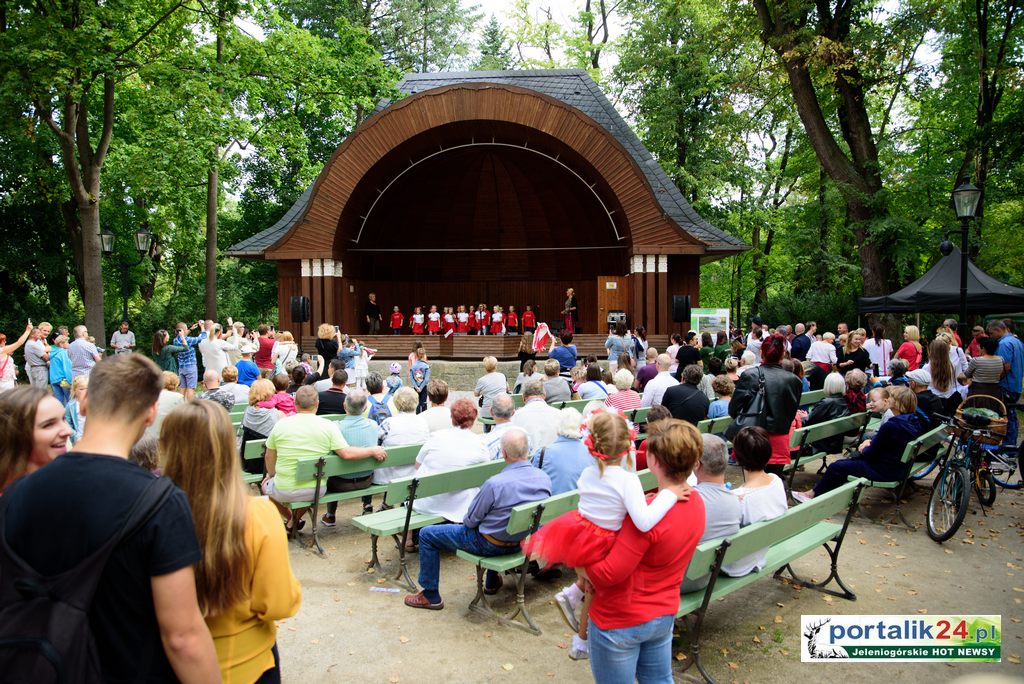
x=938 y=291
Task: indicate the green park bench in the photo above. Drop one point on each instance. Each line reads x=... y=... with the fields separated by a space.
x=319 y=468
x=805 y=436
x=909 y=458
x=238 y=409
x=399 y=522
x=527 y=518
x=714 y=426
x=802 y=529
x=254 y=449
x=811 y=397
x=517 y=401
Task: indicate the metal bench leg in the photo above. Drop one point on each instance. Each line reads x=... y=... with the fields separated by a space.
x=374 y=561
x=316 y=538
x=479 y=602
x=520 y=609
x=833 y=574
x=403 y=578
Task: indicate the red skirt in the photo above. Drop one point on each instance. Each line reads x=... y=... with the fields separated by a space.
x=571 y=539
x=417 y=328
x=495 y=328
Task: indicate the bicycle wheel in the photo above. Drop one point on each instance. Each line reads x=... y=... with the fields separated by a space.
x=948 y=503
x=985 y=486
x=926 y=471
x=1005 y=470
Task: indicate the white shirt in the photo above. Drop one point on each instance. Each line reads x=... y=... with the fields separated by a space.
x=606 y=498
x=492 y=439
x=447 y=450
x=122 y=342
x=880 y=354
x=539 y=420
x=214 y=353
x=437 y=418
x=757 y=504
x=656 y=387
x=241 y=392
x=401 y=429
x=822 y=352
x=672 y=350
x=755 y=346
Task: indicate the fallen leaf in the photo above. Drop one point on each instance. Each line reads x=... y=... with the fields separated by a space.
x=680 y=656
x=404 y=639
x=1014 y=659
x=757 y=640
x=1015 y=621
x=862 y=540
x=563 y=645
x=1021 y=590
x=734 y=666
x=784 y=652
x=314 y=641
x=724 y=651
x=781 y=605
x=777 y=619
x=508 y=667
x=394 y=680
x=900 y=557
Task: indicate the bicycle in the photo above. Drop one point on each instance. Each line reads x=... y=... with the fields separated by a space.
x=1004 y=464
x=963 y=467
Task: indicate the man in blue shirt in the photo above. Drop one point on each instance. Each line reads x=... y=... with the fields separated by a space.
x=187 y=370
x=483 y=529
x=1011 y=349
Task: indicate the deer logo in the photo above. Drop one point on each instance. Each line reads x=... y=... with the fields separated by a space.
x=813 y=651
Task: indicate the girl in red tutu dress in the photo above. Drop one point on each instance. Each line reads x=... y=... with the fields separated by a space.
x=608 y=492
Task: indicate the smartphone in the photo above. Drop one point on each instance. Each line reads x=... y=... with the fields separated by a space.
x=337 y=329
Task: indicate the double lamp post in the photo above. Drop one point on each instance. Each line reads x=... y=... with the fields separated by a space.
x=143 y=241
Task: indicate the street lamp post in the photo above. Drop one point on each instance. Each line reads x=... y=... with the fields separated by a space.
x=965 y=201
x=143 y=241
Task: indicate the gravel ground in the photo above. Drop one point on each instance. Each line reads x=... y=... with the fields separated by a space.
x=350 y=630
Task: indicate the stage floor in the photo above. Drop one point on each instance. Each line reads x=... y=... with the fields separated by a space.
x=472 y=347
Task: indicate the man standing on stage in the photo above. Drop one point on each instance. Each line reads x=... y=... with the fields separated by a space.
x=372 y=313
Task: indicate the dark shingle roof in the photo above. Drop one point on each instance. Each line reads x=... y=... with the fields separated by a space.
x=573 y=87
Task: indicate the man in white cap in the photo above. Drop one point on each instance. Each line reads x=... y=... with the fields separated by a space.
x=927 y=402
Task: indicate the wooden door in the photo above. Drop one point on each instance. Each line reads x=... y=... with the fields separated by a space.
x=612 y=295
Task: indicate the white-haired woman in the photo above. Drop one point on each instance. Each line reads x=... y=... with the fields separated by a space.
x=404 y=427
x=565 y=458
x=626 y=398
x=833 y=406
x=747 y=361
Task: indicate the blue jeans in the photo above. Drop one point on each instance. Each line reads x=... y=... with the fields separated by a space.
x=1011 y=399
x=64 y=395
x=641 y=653
x=435 y=538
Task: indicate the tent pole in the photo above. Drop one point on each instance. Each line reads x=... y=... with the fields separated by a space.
x=917 y=316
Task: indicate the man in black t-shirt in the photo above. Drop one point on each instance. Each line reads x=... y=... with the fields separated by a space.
x=688 y=354
x=686 y=401
x=332 y=400
x=372 y=313
x=145 y=617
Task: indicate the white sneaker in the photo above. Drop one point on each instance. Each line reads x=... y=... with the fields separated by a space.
x=566 y=606
x=579 y=649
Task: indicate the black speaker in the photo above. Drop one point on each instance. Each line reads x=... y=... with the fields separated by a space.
x=680 y=308
x=300 y=309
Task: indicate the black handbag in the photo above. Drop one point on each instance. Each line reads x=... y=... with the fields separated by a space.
x=754 y=414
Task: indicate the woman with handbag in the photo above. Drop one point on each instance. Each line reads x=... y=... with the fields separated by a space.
x=768 y=396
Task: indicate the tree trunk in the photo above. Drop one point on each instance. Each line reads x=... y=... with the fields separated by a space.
x=92 y=268
x=73 y=228
x=210 y=300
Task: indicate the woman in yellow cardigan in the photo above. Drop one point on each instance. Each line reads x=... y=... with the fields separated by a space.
x=244 y=581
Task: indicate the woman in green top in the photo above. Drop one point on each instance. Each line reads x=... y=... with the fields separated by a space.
x=707 y=350
x=722 y=347
x=165 y=355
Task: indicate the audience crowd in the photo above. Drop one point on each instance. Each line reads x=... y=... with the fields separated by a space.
x=195 y=596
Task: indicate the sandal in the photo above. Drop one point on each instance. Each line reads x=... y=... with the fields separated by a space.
x=420 y=601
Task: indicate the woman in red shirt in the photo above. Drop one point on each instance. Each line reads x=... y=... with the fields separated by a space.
x=910 y=350
x=636 y=587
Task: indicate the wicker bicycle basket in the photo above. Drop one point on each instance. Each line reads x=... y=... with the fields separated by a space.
x=997 y=426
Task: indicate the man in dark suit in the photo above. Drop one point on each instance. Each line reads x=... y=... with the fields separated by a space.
x=685 y=400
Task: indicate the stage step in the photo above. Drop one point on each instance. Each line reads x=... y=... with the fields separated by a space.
x=471 y=347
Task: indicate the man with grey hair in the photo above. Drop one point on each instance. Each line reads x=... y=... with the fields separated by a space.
x=656 y=386
x=37 y=360
x=483 y=530
x=213 y=349
x=83 y=353
x=502 y=410
x=215 y=393
x=801 y=343
x=537 y=417
x=686 y=401
x=722 y=511
x=358 y=431
x=565 y=458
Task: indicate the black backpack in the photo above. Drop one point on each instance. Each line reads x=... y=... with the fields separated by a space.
x=45 y=635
